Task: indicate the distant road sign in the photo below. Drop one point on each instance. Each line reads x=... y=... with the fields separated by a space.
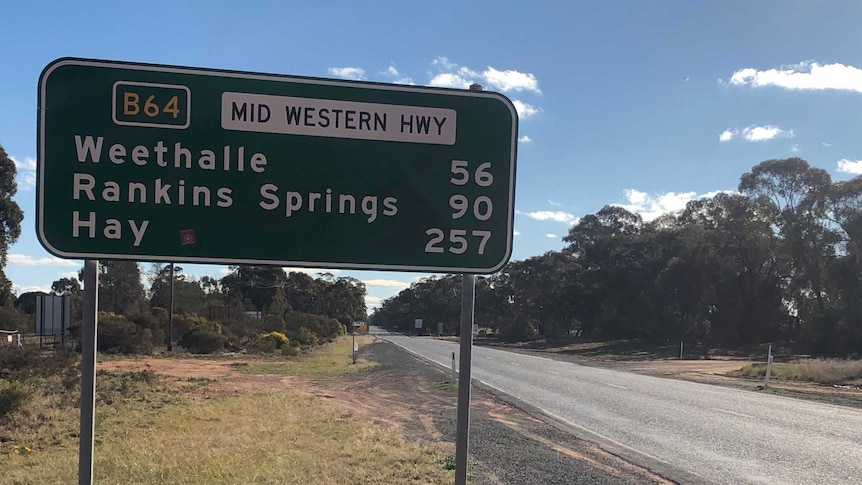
x=149 y=162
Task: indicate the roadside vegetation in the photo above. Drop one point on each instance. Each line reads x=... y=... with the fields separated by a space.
x=822 y=371
x=153 y=428
x=776 y=262
x=253 y=309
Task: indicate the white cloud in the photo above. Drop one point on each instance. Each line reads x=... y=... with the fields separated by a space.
x=763 y=133
x=443 y=63
x=557 y=216
x=29 y=163
x=511 y=80
x=19 y=290
x=372 y=301
x=399 y=78
x=26 y=181
x=460 y=79
x=804 y=76
x=25 y=173
x=355 y=73
x=450 y=75
x=687 y=78
x=311 y=271
x=551 y=236
x=449 y=80
x=651 y=207
x=525 y=139
x=849 y=166
x=227 y=271
x=826 y=144
x=386 y=283
x=755 y=133
x=794 y=148
x=516 y=233
x=25 y=260
x=555 y=203
x=525 y=110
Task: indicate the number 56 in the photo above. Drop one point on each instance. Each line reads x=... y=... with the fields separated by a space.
x=462 y=175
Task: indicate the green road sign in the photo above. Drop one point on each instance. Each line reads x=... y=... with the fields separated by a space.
x=161 y=163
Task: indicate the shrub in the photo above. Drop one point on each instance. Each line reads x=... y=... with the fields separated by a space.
x=268 y=342
x=202 y=340
x=119 y=335
x=272 y=323
x=12 y=396
x=152 y=323
x=325 y=329
x=31 y=361
x=291 y=350
x=306 y=337
x=185 y=322
x=279 y=339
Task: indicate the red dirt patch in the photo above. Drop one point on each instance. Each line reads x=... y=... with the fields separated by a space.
x=227 y=379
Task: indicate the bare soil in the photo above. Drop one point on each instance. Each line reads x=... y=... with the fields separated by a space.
x=507 y=444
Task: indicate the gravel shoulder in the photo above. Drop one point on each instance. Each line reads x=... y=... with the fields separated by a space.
x=507 y=444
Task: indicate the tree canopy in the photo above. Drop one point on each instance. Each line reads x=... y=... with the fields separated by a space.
x=780 y=260
x=10 y=221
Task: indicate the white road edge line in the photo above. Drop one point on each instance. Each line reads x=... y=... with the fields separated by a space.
x=552 y=372
x=557 y=416
x=513 y=363
x=618 y=387
x=733 y=413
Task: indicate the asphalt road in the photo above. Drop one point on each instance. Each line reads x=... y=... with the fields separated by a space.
x=691 y=431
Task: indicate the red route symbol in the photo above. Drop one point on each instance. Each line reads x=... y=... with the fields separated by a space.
x=187 y=236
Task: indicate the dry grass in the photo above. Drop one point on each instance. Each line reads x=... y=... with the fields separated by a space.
x=824 y=371
x=155 y=429
x=328 y=361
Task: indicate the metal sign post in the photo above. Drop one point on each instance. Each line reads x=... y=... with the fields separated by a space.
x=468 y=299
x=88 y=372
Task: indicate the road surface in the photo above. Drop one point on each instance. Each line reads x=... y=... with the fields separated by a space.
x=699 y=432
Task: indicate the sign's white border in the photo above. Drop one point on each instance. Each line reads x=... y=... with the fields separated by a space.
x=152 y=85
x=40 y=219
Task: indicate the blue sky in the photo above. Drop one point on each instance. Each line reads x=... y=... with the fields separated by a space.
x=641 y=104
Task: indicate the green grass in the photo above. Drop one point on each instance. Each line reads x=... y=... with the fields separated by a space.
x=824 y=371
x=447 y=386
x=155 y=429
